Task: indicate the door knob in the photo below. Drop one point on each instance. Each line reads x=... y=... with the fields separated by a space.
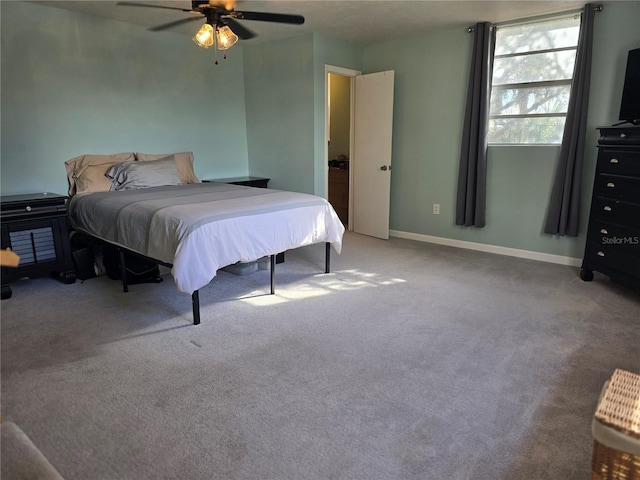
x=383 y=167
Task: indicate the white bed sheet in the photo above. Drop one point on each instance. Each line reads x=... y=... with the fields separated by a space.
x=200 y=228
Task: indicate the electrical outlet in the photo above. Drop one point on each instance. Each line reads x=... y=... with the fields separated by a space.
x=436 y=209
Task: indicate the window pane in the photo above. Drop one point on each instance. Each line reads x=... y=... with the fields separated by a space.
x=534 y=68
x=532 y=74
x=526 y=130
x=530 y=37
x=528 y=101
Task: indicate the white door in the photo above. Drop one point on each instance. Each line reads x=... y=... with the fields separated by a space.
x=371 y=161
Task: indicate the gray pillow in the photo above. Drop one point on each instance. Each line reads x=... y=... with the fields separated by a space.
x=133 y=175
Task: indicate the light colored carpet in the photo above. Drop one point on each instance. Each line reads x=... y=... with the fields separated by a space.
x=408 y=361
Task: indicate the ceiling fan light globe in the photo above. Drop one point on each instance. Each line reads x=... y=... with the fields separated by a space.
x=204 y=37
x=226 y=38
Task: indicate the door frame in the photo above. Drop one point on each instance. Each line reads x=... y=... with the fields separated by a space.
x=346 y=72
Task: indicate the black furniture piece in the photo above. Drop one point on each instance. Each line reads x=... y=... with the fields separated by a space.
x=613 y=237
x=259 y=182
x=35 y=227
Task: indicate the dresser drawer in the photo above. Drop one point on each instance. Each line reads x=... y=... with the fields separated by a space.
x=616 y=211
x=625 y=135
x=612 y=256
x=619 y=187
x=602 y=232
x=619 y=161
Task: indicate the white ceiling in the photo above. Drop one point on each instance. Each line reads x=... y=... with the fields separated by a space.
x=360 y=21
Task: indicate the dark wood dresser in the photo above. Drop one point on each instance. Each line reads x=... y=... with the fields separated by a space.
x=35 y=227
x=613 y=236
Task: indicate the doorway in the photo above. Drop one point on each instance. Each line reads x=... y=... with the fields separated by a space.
x=339 y=143
x=339 y=139
x=364 y=175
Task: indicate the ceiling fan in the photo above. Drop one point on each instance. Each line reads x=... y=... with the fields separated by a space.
x=221 y=27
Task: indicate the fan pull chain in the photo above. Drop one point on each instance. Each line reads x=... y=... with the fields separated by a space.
x=215 y=44
x=215 y=47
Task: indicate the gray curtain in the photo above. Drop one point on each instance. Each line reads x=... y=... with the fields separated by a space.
x=472 y=174
x=563 y=214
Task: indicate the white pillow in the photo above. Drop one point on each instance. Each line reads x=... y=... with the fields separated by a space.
x=134 y=175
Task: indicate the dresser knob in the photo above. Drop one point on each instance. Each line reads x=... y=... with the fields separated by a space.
x=28 y=208
x=601 y=254
x=613 y=160
x=607 y=208
x=604 y=231
x=623 y=135
x=611 y=185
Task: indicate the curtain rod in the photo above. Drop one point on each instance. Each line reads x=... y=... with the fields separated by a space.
x=539 y=18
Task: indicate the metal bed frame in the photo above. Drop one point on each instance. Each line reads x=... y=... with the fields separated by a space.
x=195 y=296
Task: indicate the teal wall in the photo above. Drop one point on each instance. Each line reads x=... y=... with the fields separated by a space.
x=76 y=84
x=429 y=98
x=327 y=51
x=430 y=89
x=279 y=110
x=285 y=100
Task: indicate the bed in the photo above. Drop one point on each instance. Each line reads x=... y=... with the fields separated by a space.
x=194 y=228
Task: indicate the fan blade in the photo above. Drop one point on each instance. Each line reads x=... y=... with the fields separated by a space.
x=242 y=32
x=149 y=5
x=270 y=17
x=176 y=23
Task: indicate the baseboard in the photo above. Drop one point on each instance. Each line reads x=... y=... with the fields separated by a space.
x=483 y=247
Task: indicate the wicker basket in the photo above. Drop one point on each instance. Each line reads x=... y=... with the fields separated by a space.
x=618 y=409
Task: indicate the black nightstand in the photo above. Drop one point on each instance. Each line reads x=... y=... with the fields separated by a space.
x=35 y=227
x=259 y=182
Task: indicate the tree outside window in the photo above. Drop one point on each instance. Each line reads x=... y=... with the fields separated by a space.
x=532 y=75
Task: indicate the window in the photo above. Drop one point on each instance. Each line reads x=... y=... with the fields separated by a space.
x=532 y=73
